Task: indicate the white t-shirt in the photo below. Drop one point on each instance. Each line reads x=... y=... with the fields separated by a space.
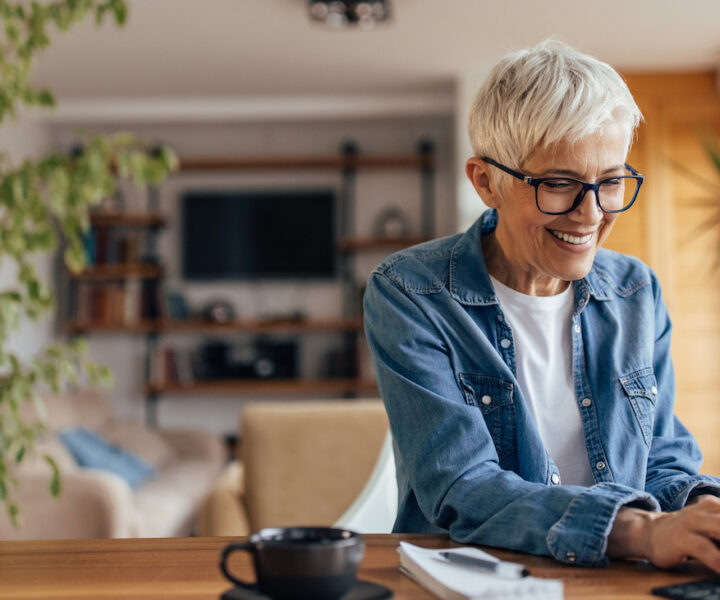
x=541 y=328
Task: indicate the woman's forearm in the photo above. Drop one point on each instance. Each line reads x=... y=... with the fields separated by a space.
x=630 y=533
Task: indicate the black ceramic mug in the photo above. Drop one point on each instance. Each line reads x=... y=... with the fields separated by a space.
x=302 y=563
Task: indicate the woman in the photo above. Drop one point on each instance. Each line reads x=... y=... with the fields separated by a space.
x=526 y=371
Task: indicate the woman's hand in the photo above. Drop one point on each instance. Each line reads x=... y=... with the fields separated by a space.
x=667 y=539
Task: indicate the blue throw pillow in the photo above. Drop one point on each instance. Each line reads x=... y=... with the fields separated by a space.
x=91 y=450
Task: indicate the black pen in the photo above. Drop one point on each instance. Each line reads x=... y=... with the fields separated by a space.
x=505 y=569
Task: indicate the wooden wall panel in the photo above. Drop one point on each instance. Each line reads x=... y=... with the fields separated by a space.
x=673 y=204
x=628 y=234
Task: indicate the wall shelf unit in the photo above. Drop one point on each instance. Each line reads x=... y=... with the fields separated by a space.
x=117 y=219
x=149 y=272
x=165 y=326
x=345 y=161
x=120 y=271
x=349 y=244
x=270 y=386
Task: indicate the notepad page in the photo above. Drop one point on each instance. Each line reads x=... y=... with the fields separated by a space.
x=455 y=582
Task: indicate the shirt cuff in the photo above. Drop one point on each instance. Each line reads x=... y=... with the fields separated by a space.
x=580 y=536
x=676 y=495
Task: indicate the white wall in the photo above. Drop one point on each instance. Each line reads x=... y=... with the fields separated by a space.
x=457 y=206
x=26 y=138
x=376 y=190
x=469 y=204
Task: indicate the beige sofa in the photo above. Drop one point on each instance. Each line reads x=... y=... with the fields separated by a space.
x=300 y=463
x=100 y=504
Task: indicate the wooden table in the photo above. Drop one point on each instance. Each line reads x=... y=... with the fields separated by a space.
x=187 y=568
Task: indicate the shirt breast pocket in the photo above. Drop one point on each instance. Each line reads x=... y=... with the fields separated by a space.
x=494 y=397
x=640 y=387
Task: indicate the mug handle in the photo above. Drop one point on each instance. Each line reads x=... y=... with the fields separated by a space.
x=226 y=552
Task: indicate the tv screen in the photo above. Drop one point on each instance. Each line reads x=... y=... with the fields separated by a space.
x=259 y=234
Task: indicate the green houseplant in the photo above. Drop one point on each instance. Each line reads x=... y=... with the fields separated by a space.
x=43 y=203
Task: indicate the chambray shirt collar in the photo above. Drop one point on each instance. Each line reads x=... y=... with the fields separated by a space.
x=469 y=282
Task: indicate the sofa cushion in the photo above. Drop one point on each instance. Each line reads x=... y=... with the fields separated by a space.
x=86 y=408
x=140 y=440
x=90 y=450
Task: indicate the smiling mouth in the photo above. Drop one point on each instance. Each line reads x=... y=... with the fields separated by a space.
x=571 y=239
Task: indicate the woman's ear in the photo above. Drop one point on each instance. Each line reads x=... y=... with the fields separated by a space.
x=478 y=172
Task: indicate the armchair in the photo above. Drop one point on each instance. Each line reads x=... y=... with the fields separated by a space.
x=301 y=463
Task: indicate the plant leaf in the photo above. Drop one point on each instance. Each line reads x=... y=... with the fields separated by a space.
x=55 y=481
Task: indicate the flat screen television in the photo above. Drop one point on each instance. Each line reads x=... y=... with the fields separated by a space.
x=259 y=234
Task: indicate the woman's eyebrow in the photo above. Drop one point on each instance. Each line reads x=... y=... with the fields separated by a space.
x=575 y=174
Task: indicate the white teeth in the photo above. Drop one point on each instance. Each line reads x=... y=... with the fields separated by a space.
x=571 y=239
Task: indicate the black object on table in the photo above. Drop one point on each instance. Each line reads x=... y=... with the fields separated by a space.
x=361 y=590
x=707 y=589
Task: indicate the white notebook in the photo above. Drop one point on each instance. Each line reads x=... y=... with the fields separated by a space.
x=455 y=582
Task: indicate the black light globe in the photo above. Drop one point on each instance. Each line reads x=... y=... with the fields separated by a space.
x=343 y=13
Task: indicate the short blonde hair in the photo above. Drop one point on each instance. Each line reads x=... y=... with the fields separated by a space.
x=536 y=97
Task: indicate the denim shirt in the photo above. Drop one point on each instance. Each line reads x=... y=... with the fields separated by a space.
x=470 y=461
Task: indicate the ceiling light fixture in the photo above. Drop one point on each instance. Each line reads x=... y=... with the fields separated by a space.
x=343 y=13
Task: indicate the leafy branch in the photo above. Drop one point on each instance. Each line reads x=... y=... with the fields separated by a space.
x=44 y=203
x=24 y=34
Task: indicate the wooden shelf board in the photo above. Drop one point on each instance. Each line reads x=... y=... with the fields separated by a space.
x=378 y=243
x=79 y=327
x=119 y=271
x=259 y=326
x=189 y=164
x=113 y=219
x=266 y=386
x=200 y=326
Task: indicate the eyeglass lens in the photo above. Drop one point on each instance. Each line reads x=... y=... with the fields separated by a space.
x=558 y=195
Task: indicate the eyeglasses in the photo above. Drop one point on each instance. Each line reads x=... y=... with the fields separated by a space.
x=561 y=195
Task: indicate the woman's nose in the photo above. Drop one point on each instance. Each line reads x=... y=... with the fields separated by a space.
x=589 y=208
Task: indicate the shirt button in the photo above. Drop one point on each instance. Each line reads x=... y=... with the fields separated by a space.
x=599 y=465
x=570 y=556
x=653 y=389
x=486 y=400
x=505 y=343
x=555 y=478
x=577 y=328
x=586 y=402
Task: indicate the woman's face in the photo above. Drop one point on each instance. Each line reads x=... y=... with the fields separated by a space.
x=527 y=251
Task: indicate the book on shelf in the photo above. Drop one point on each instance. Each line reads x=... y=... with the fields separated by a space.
x=452 y=581
x=184 y=367
x=172 y=365
x=104 y=245
x=173 y=305
x=89 y=245
x=131 y=308
x=108 y=302
x=129 y=301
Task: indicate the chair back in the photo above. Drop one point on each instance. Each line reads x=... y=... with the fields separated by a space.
x=375 y=509
x=307 y=462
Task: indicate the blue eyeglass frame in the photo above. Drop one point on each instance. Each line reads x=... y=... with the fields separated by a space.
x=595 y=187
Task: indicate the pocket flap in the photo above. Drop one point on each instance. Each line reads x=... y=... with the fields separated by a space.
x=641 y=383
x=486 y=392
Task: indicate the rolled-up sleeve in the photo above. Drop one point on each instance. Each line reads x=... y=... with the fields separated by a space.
x=675 y=457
